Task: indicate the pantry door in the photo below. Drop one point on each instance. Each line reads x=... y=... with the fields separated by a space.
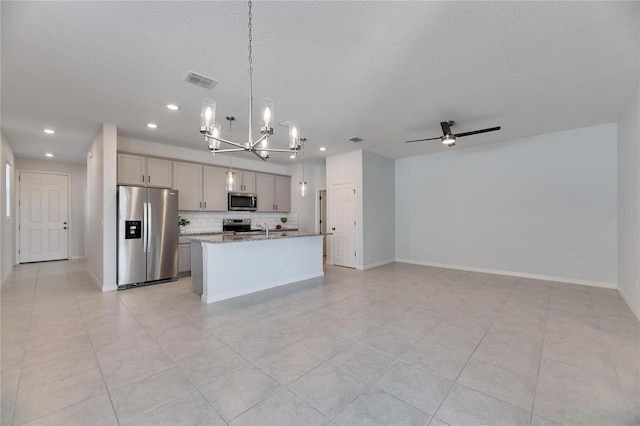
x=44 y=217
x=343 y=224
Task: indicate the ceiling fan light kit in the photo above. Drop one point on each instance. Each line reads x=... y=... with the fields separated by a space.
x=448 y=138
x=260 y=147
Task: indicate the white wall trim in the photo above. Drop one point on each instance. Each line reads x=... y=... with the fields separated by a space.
x=77 y=257
x=578 y=281
x=95 y=279
x=103 y=288
x=627 y=299
x=376 y=264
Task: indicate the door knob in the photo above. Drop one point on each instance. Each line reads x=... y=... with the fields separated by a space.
x=333 y=229
x=64 y=227
x=64 y=223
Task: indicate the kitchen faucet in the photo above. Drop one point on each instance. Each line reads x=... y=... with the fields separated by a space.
x=265 y=228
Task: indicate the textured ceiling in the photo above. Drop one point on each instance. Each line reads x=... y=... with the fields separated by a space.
x=384 y=71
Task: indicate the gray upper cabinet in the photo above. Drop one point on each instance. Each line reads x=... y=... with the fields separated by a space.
x=248 y=182
x=266 y=195
x=144 y=171
x=200 y=188
x=159 y=172
x=188 y=181
x=282 y=189
x=274 y=193
x=215 y=191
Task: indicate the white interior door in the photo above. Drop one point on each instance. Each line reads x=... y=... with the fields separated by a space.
x=343 y=224
x=44 y=217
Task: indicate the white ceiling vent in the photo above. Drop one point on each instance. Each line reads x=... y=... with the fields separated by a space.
x=200 y=80
x=356 y=139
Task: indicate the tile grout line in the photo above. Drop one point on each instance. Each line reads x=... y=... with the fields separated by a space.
x=455 y=381
x=33 y=298
x=84 y=322
x=615 y=370
x=544 y=336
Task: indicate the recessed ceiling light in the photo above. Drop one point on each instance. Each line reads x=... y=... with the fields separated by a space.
x=173 y=107
x=48 y=154
x=152 y=125
x=49 y=131
x=322 y=148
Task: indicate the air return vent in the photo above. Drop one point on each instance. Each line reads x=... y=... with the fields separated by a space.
x=200 y=80
x=356 y=139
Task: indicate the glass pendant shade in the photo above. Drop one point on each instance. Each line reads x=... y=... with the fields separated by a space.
x=231 y=181
x=207 y=115
x=294 y=135
x=303 y=189
x=263 y=146
x=266 y=115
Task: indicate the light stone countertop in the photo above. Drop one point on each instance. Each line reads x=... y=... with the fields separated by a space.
x=239 y=238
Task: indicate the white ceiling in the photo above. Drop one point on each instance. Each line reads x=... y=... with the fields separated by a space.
x=384 y=71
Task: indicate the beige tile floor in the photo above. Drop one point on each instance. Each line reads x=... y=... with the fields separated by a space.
x=399 y=344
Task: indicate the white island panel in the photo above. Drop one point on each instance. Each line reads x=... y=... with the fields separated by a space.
x=231 y=270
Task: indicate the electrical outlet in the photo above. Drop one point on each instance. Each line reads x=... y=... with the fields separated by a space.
x=492 y=254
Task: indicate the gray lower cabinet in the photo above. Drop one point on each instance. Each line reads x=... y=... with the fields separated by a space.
x=184 y=257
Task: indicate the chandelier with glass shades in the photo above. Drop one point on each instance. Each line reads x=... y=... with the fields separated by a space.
x=260 y=147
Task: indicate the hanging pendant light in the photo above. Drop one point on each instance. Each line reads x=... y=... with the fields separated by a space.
x=230 y=174
x=303 y=183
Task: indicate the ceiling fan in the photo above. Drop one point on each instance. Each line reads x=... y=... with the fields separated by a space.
x=449 y=138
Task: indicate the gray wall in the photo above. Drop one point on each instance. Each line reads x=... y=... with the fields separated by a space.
x=629 y=203
x=7 y=225
x=530 y=206
x=378 y=186
x=78 y=178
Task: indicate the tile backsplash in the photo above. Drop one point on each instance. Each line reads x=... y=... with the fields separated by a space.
x=212 y=221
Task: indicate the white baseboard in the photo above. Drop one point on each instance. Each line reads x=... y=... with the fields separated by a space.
x=578 y=281
x=103 y=288
x=376 y=264
x=627 y=299
x=95 y=279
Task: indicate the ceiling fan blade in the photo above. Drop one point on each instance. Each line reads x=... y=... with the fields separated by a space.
x=422 y=140
x=475 y=132
x=446 y=128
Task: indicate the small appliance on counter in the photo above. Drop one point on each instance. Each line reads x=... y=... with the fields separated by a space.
x=147 y=236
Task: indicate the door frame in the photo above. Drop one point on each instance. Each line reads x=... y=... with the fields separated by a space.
x=330 y=221
x=19 y=207
x=318 y=227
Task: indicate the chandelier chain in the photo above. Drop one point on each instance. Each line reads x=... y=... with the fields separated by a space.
x=250 y=36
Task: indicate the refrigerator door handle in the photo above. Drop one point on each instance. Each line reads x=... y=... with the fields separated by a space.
x=145 y=227
x=149 y=226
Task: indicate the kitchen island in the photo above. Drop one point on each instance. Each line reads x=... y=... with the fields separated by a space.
x=226 y=266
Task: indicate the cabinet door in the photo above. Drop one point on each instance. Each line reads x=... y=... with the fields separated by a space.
x=215 y=192
x=187 y=180
x=159 y=172
x=131 y=169
x=249 y=182
x=184 y=258
x=264 y=189
x=283 y=193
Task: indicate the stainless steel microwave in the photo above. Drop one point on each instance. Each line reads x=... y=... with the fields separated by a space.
x=242 y=201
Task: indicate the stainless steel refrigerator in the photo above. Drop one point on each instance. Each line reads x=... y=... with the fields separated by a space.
x=147 y=235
